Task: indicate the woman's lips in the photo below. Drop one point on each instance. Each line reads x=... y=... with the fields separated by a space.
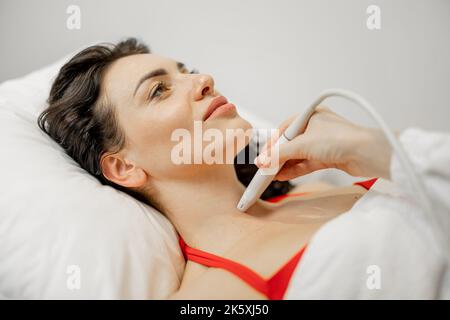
x=221 y=110
x=218 y=106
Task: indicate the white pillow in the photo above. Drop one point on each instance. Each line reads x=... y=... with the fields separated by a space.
x=63 y=234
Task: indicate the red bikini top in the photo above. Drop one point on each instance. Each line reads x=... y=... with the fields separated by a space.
x=273 y=288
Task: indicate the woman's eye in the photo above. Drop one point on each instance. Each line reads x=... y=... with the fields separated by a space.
x=158 y=90
x=193 y=71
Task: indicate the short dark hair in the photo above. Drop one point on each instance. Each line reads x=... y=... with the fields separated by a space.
x=86 y=125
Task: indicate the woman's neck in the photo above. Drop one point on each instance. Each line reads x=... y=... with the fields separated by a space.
x=203 y=210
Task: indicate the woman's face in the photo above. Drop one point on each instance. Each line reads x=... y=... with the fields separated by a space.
x=153 y=98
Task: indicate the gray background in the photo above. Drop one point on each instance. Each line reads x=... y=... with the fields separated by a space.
x=271 y=57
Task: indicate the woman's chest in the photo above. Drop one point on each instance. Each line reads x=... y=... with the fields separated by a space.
x=315 y=208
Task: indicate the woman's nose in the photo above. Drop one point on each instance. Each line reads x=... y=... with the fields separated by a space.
x=204 y=86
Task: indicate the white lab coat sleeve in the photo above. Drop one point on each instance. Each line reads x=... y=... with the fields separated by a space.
x=375 y=251
x=430 y=155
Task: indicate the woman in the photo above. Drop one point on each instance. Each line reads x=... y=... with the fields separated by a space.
x=114 y=109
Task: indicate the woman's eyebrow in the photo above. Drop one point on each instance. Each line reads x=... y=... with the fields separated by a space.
x=156 y=73
x=151 y=74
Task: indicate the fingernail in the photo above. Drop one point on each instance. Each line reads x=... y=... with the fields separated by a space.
x=262 y=161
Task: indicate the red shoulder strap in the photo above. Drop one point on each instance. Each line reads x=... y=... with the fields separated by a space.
x=366 y=183
x=279 y=282
x=212 y=260
x=273 y=288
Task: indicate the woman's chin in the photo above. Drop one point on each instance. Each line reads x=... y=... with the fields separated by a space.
x=232 y=123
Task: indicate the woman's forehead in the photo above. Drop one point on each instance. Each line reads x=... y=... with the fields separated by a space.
x=139 y=64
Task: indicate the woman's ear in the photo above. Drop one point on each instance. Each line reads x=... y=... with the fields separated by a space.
x=121 y=171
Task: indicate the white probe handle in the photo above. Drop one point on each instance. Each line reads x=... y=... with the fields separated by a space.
x=259 y=183
x=262 y=179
